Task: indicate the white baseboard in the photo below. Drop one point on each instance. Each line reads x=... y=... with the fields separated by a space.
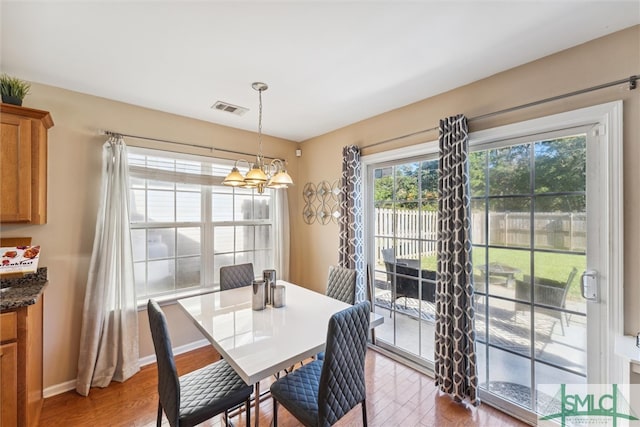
x=148 y=360
x=143 y=361
x=59 y=388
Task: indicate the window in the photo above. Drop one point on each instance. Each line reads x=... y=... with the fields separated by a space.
x=185 y=224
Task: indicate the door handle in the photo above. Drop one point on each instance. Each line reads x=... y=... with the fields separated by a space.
x=589 y=285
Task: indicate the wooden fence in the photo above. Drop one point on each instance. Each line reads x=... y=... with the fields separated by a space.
x=416 y=232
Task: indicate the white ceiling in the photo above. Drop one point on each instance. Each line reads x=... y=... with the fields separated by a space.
x=327 y=64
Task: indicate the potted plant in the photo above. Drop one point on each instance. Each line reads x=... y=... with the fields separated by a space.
x=12 y=89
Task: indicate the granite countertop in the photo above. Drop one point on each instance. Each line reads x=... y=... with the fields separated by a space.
x=22 y=291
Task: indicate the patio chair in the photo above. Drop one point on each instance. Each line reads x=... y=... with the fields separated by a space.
x=407 y=283
x=389 y=255
x=547 y=293
x=401 y=286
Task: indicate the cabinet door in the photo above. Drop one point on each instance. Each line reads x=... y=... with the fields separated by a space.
x=15 y=169
x=9 y=385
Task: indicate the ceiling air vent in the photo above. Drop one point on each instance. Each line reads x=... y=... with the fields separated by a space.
x=229 y=108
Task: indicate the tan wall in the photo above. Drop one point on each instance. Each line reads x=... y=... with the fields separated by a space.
x=74 y=172
x=611 y=58
x=74 y=186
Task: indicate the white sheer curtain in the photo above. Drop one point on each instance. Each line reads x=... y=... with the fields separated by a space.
x=109 y=337
x=281 y=233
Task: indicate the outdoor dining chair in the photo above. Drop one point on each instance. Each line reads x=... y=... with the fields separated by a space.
x=546 y=293
x=236 y=276
x=199 y=395
x=321 y=392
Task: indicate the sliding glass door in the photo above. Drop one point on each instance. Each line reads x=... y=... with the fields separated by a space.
x=547 y=263
x=405 y=207
x=530 y=231
x=546 y=234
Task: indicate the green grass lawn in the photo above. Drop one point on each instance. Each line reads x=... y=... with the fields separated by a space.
x=551 y=266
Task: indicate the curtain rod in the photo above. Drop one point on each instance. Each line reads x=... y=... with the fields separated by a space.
x=632 y=81
x=207 y=147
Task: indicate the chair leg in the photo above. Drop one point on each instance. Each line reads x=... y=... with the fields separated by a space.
x=364 y=413
x=226 y=418
x=248 y=408
x=275 y=412
x=159 y=421
x=393 y=299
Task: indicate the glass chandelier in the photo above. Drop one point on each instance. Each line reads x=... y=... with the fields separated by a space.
x=261 y=175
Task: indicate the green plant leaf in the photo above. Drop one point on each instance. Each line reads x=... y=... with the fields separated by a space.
x=13 y=86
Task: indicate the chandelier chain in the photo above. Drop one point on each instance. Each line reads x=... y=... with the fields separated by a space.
x=260 y=161
x=261 y=175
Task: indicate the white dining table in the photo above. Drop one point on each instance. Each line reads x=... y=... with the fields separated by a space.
x=258 y=344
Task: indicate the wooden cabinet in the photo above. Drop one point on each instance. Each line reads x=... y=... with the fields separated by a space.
x=9 y=389
x=21 y=366
x=23 y=164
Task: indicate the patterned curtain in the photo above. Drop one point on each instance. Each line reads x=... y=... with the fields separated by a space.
x=351 y=221
x=455 y=355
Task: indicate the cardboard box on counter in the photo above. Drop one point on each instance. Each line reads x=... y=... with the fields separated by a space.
x=19 y=260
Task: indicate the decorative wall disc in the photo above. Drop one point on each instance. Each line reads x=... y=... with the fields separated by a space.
x=309 y=192
x=322 y=202
x=336 y=190
x=324 y=214
x=335 y=213
x=324 y=191
x=309 y=214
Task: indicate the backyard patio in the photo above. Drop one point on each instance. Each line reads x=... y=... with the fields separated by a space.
x=559 y=340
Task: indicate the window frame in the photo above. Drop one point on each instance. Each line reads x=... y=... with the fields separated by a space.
x=207 y=182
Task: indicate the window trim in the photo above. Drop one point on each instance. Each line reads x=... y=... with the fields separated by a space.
x=207 y=225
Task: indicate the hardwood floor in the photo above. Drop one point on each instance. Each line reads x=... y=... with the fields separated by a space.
x=396 y=396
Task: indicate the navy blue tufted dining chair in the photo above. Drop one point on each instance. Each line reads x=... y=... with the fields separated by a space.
x=323 y=391
x=341 y=284
x=199 y=395
x=236 y=276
